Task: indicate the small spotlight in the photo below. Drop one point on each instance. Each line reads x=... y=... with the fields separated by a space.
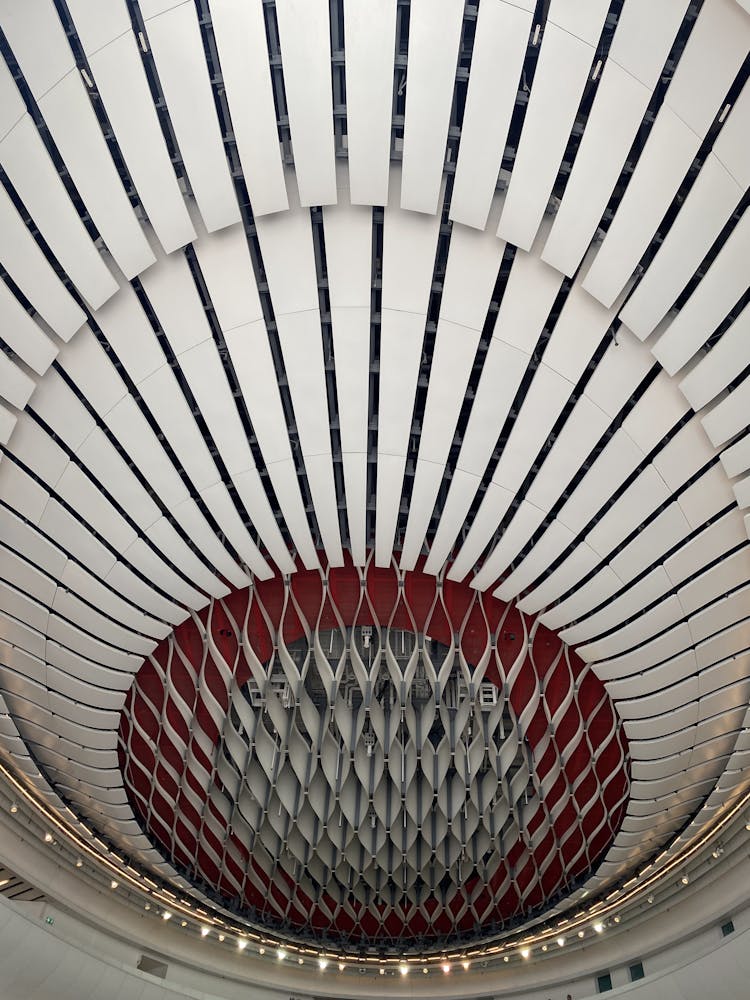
x=446 y=968
x=599 y=928
x=525 y=952
x=300 y=961
x=505 y=958
x=48 y=838
x=581 y=933
x=242 y=944
x=466 y=964
x=684 y=880
x=341 y=966
x=381 y=970
x=617 y=919
x=183 y=923
x=113 y=884
x=323 y=963
x=544 y=947
x=79 y=863
x=560 y=942
x=205 y=931
x=403 y=969
x=261 y=951
x=166 y=915
x=425 y=970
x=281 y=954
x=650 y=899
x=14 y=808
x=221 y=937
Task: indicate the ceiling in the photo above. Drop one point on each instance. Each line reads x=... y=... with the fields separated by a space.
x=434 y=290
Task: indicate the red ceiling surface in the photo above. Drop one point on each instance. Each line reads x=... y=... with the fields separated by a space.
x=270 y=834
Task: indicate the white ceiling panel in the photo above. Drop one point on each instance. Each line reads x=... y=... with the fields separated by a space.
x=22 y=335
x=668 y=153
x=706 y=497
x=583 y=428
x=463 y=488
x=684 y=455
x=121 y=82
x=613 y=122
x=718 y=538
x=525 y=522
x=433 y=53
x=175 y=39
x=645 y=627
x=36 y=181
x=494 y=506
x=302 y=347
x=663 y=533
x=729 y=417
x=714 y=297
x=736 y=458
x=543 y=404
x=618 y=459
x=713 y=55
x=389 y=484
x=719 y=580
x=648 y=589
x=348 y=235
x=561 y=73
x=77 y=135
x=553 y=543
x=427 y=479
x=708 y=206
x=720 y=366
x=27 y=266
x=370 y=41
x=502 y=35
x=595 y=591
x=305 y=38
x=638 y=501
x=241 y=40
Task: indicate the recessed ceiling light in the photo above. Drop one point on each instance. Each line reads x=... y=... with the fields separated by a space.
x=147 y=906
x=341 y=966
x=221 y=937
x=14 y=808
x=242 y=944
x=48 y=838
x=113 y=884
x=684 y=880
x=599 y=928
x=205 y=931
x=381 y=970
x=544 y=947
x=403 y=969
x=446 y=967
x=183 y=923
x=505 y=958
x=323 y=963
x=581 y=933
x=617 y=919
x=560 y=942
x=300 y=961
x=79 y=863
x=166 y=915
x=525 y=952
x=465 y=964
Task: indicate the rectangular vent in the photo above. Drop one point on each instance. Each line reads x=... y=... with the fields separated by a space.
x=603 y=982
x=636 y=972
x=727 y=928
x=153 y=966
